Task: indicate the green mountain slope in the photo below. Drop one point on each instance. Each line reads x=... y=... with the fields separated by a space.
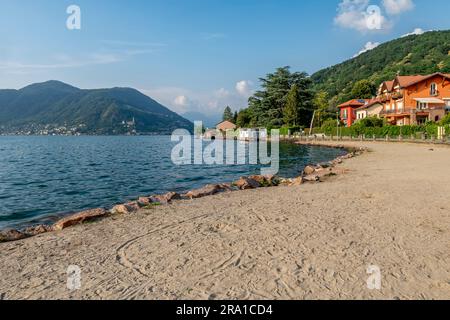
x=415 y=54
x=55 y=104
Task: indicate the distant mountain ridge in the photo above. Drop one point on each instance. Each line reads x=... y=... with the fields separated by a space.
x=56 y=106
x=415 y=54
x=208 y=121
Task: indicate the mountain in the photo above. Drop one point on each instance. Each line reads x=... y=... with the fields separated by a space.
x=414 y=54
x=208 y=121
x=54 y=105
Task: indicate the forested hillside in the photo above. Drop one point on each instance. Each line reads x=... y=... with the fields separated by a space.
x=415 y=54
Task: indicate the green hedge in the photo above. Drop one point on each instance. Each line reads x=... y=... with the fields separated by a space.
x=391 y=131
x=284 y=131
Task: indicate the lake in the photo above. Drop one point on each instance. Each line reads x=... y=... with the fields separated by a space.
x=44 y=177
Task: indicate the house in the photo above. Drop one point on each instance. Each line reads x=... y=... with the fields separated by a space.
x=225 y=126
x=372 y=108
x=347 y=111
x=412 y=100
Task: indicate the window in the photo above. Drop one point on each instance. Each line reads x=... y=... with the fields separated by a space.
x=344 y=114
x=433 y=89
x=422 y=105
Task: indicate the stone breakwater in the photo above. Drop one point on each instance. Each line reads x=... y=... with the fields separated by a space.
x=311 y=174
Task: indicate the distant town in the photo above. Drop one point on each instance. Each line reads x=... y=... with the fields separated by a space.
x=126 y=127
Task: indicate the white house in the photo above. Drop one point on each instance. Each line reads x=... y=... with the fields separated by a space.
x=372 y=108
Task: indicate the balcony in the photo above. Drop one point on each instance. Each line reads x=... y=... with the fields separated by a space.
x=389 y=112
x=411 y=111
x=397 y=95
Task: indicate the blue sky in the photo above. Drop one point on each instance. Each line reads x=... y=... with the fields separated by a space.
x=194 y=55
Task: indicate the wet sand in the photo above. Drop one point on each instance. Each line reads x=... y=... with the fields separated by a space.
x=314 y=241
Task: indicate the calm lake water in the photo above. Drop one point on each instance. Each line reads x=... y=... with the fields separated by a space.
x=42 y=178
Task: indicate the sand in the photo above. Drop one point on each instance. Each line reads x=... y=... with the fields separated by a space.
x=314 y=241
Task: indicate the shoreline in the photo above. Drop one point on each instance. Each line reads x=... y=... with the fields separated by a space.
x=313 y=241
x=244 y=183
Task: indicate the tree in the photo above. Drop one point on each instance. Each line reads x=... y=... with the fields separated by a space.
x=235 y=117
x=267 y=105
x=228 y=115
x=446 y=120
x=290 y=112
x=364 y=89
x=322 y=106
x=244 y=118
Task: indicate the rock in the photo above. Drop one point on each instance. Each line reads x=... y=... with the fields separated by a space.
x=79 y=218
x=319 y=175
x=266 y=181
x=36 y=230
x=226 y=186
x=126 y=208
x=311 y=178
x=11 y=235
x=324 y=165
x=245 y=183
x=347 y=156
x=207 y=190
x=284 y=182
x=309 y=170
x=165 y=198
x=144 y=201
x=296 y=182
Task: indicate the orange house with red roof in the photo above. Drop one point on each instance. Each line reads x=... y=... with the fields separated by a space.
x=411 y=100
x=407 y=100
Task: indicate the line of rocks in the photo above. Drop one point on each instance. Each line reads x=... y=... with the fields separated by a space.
x=311 y=174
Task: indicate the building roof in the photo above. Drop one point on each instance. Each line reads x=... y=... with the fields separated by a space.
x=369 y=104
x=353 y=103
x=407 y=81
x=226 y=125
x=389 y=85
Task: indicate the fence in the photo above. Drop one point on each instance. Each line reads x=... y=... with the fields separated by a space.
x=443 y=138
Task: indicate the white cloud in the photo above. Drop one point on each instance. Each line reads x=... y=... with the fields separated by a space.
x=222 y=93
x=395 y=7
x=62 y=62
x=417 y=32
x=369 y=46
x=181 y=101
x=244 y=88
x=209 y=103
x=359 y=15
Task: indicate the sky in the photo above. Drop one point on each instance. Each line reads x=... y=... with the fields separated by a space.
x=195 y=55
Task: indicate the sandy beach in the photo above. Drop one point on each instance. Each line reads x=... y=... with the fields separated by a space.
x=314 y=241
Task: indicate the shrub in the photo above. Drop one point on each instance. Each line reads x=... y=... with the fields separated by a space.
x=446 y=120
x=328 y=127
x=284 y=131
